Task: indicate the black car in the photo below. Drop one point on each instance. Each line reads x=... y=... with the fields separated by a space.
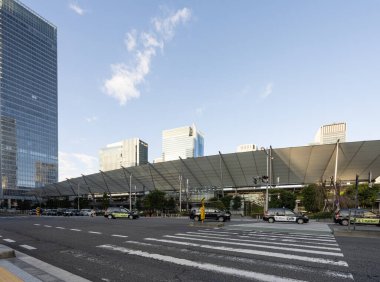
x=210 y=213
x=284 y=215
x=361 y=216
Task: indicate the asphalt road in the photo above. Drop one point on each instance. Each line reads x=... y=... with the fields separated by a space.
x=168 y=249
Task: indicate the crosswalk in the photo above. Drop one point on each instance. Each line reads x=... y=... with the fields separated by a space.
x=245 y=254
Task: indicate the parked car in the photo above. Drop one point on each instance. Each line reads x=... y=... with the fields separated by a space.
x=210 y=213
x=33 y=212
x=360 y=216
x=284 y=215
x=85 y=212
x=120 y=212
x=71 y=212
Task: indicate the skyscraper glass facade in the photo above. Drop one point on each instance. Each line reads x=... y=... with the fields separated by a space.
x=28 y=99
x=185 y=142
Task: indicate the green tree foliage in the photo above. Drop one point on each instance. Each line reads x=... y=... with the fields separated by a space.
x=313 y=198
x=155 y=200
x=236 y=202
x=105 y=200
x=170 y=204
x=226 y=200
x=366 y=195
x=282 y=198
x=215 y=203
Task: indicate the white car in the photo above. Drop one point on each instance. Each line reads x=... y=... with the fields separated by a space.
x=86 y=212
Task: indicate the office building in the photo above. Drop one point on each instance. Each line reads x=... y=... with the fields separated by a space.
x=331 y=133
x=246 y=148
x=28 y=102
x=182 y=142
x=126 y=153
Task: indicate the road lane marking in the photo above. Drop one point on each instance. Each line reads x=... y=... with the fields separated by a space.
x=262 y=241
x=203 y=266
x=121 y=236
x=259 y=262
x=292 y=237
x=59 y=227
x=94 y=232
x=254 y=252
x=139 y=243
x=75 y=229
x=28 y=247
x=9 y=240
x=290 y=234
x=37 y=224
x=260 y=246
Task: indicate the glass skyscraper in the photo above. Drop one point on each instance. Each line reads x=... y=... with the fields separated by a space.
x=183 y=142
x=28 y=101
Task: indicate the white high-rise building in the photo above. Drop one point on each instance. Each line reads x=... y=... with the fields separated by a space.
x=331 y=133
x=185 y=142
x=130 y=152
x=246 y=148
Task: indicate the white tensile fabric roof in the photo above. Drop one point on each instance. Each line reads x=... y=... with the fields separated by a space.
x=291 y=166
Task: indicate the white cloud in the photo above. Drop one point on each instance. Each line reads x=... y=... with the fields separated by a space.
x=130 y=40
x=167 y=25
x=91 y=119
x=267 y=91
x=73 y=165
x=76 y=8
x=125 y=80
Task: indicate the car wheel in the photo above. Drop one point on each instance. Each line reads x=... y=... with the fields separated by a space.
x=110 y=216
x=300 y=221
x=271 y=220
x=221 y=219
x=130 y=216
x=196 y=218
x=344 y=222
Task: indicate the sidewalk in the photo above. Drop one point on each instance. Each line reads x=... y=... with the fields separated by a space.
x=17 y=267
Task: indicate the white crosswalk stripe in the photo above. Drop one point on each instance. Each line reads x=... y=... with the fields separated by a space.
x=246 y=254
x=27 y=247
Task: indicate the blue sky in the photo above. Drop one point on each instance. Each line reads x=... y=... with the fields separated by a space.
x=261 y=72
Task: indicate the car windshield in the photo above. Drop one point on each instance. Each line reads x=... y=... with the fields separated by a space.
x=124 y=210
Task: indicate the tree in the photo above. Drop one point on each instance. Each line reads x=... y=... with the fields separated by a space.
x=282 y=198
x=367 y=196
x=105 y=201
x=236 y=202
x=226 y=200
x=313 y=198
x=155 y=200
x=170 y=204
x=215 y=203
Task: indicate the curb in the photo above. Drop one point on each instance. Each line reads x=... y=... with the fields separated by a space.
x=355 y=233
x=6 y=252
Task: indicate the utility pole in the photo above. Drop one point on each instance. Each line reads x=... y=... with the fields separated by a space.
x=187 y=194
x=180 y=193
x=78 y=196
x=130 y=192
